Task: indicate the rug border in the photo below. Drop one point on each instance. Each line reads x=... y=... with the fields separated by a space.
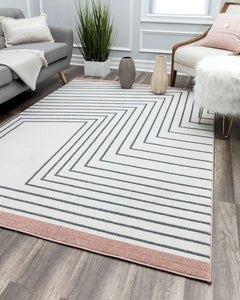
x=108 y=247
x=162 y=261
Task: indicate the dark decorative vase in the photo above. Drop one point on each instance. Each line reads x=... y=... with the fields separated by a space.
x=126 y=72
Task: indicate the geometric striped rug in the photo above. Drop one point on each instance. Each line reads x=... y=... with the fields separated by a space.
x=124 y=173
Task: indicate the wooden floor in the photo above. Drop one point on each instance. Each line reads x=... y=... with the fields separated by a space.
x=32 y=268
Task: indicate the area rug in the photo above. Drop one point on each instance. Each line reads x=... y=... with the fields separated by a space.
x=124 y=173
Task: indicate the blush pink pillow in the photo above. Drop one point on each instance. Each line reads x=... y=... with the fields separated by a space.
x=224 y=33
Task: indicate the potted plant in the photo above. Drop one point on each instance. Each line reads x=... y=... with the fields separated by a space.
x=94 y=32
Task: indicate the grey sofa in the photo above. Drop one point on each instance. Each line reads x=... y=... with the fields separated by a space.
x=58 y=55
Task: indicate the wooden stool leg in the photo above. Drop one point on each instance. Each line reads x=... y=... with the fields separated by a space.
x=200 y=116
x=229 y=128
x=62 y=76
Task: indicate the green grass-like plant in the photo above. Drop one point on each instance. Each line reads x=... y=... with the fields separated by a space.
x=94 y=30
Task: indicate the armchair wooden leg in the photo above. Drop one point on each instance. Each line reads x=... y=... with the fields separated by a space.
x=173 y=77
x=62 y=76
x=229 y=128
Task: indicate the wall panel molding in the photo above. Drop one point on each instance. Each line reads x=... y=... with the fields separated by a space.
x=128 y=45
x=130 y=37
x=124 y=49
x=130 y=25
x=165 y=34
x=41 y=6
x=170 y=32
x=29 y=9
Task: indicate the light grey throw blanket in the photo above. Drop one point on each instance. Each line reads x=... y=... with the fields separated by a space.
x=25 y=63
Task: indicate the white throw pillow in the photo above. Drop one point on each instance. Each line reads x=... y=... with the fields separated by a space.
x=28 y=30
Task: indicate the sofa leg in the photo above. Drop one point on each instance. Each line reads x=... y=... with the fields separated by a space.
x=62 y=76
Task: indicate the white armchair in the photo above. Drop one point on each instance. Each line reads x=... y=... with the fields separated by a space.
x=186 y=55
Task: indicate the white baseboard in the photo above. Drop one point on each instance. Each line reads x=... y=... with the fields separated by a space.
x=141 y=65
x=77 y=60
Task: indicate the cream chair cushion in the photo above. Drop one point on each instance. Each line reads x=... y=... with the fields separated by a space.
x=187 y=57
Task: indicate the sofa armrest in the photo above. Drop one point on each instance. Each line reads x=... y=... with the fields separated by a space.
x=62 y=35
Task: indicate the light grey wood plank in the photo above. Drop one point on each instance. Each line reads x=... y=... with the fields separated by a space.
x=133 y=288
x=7 y=239
x=226 y=259
x=59 y=275
x=235 y=158
x=112 y=75
x=146 y=283
x=183 y=81
x=91 y=275
x=14 y=256
x=147 y=79
x=171 y=286
x=218 y=127
x=133 y=285
x=238 y=223
x=15 y=291
x=195 y=289
x=138 y=73
x=39 y=270
x=141 y=77
x=223 y=181
x=109 y=286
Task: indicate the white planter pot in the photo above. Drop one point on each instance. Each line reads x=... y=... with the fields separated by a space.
x=96 y=68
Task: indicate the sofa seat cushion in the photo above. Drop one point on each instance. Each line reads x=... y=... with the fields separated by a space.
x=189 y=56
x=53 y=51
x=6 y=75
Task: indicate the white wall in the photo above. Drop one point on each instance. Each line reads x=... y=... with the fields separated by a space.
x=27 y=6
x=136 y=37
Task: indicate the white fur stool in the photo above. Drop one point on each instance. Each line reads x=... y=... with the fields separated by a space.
x=217 y=86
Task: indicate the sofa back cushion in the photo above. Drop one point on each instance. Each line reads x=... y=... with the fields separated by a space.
x=27 y=30
x=12 y=13
x=2 y=44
